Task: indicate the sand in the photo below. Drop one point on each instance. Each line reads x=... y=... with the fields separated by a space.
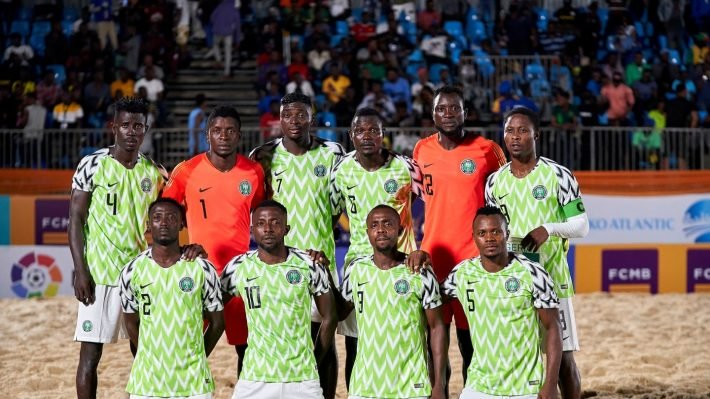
x=633 y=346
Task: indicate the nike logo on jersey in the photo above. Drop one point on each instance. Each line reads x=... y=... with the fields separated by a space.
x=352 y=187
x=426 y=165
x=472 y=282
x=202 y=190
x=361 y=284
x=279 y=173
x=250 y=279
x=500 y=197
x=145 y=285
x=112 y=184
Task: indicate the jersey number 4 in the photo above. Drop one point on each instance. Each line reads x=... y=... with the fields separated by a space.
x=253 y=297
x=111 y=201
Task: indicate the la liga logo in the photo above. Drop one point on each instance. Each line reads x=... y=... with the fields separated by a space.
x=35 y=275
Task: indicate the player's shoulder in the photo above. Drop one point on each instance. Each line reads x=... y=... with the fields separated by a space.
x=344 y=162
x=205 y=264
x=265 y=151
x=425 y=143
x=186 y=167
x=137 y=260
x=555 y=167
x=92 y=160
x=300 y=256
x=503 y=169
x=364 y=259
x=536 y=271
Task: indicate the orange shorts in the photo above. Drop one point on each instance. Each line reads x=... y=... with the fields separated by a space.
x=453 y=310
x=235 y=322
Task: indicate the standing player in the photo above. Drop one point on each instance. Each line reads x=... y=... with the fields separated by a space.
x=363 y=179
x=298 y=170
x=163 y=298
x=111 y=191
x=219 y=188
x=278 y=283
x=506 y=297
x=455 y=165
x=391 y=305
x=543 y=204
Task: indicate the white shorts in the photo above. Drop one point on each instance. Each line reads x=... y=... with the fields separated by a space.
x=348 y=327
x=363 y=397
x=101 y=321
x=200 y=396
x=568 y=327
x=469 y=393
x=277 y=390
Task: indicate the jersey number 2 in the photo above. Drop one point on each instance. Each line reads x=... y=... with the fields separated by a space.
x=428 y=182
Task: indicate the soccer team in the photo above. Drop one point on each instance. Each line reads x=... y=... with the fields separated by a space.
x=493 y=257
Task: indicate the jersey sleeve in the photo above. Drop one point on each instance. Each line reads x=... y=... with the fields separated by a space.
x=129 y=303
x=448 y=287
x=319 y=284
x=175 y=188
x=543 y=289
x=568 y=194
x=260 y=193
x=415 y=174
x=431 y=298
x=228 y=280
x=495 y=157
x=83 y=179
x=337 y=200
x=346 y=287
x=211 y=289
x=488 y=192
x=339 y=153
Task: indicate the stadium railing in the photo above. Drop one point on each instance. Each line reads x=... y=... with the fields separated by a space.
x=584 y=148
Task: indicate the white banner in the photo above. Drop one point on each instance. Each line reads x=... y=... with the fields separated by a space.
x=658 y=220
x=28 y=271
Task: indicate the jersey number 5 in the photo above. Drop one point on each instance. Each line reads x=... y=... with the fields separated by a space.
x=469 y=299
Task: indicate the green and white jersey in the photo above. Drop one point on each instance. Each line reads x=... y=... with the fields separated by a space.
x=277 y=299
x=171 y=358
x=548 y=194
x=391 y=347
x=358 y=191
x=501 y=309
x=301 y=183
x=114 y=232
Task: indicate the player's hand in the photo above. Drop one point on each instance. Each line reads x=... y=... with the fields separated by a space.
x=319 y=257
x=417 y=260
x=192 y=251
x=437 y=392
x=534 y=240
x=84 y=288
x=548 y=392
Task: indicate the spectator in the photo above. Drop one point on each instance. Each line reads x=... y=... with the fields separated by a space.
x=680 y=112
x=520 y=29
x=700 y=48
x=428 y=17
x=398 y=45
x=300 y=85
x=32 y=122
x=346 y=108
x=567 y=16
x=335 y=84
x=423 y=80
x=564 y=141
x=684 y=79
x=56 y=45
x=153 y=85
x=68 y=114
x=370 y=52
x=124 y=83
x=612 y=65
x=319 y=56
x=97 y=95
x=620 y=99
x=196 y=125
x=591 y=26
x=274 y=66
x=226 y=26
x=403 y=117
x=595 y=83
x=18 y=52
x=363 y=30
x=102 y=15
x=397 y=88
x=670 y=14
x=273 y=94
x=148 y=62
x=380 y=101
x=665 y=73
x=683 y=149
x=270 y=122
x=48 y=91
x=422 y=103
x=645 y=94
x=635 y=69
x=298 y=65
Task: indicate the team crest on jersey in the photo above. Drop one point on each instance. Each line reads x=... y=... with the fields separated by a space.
x=293 y=276
x=245 y=187
x=539 y=192
x=512 y=285
x=87 y=326
x=319 y=170
x=467 y=166
x=187 y=284
x=146 y=185
x=391 y=186
x=401 y=286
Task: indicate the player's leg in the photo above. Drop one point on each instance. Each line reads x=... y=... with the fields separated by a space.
x=350 y=354
x=569 y=378
x=241 y=349
x=235 y=326
x=86 y=374
x=328 y=368
x=463 y=337
x=447 y=316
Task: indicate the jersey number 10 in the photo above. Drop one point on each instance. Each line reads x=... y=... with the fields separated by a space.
x=253 y=297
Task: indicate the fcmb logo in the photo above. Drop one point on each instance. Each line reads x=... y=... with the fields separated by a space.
x=35 y=275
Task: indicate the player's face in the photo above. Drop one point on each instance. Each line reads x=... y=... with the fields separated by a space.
x=383 y=229
x=223 y=135
x=165 y=223
x=490 y=235
x=448 y=114
x=366 y=134
x=296 y=119
x=269 y=227
x=519 y=136
x=129 y=130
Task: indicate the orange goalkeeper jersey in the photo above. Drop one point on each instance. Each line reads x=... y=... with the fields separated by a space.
x=454 y=181
x=218 y=204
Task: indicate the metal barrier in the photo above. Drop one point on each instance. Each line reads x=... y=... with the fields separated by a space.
x=588 y=148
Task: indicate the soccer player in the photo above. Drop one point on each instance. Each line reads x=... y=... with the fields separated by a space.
x=278 y=283
x=298 y=170
x=163 y=298
x=542 y=202
x=391 y=305
x=363 y=179
x=506 y=297
x=455 y=165
x=219 y=188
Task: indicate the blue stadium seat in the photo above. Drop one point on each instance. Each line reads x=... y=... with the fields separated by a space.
x=41 y=28
x=319 y=100
x=71 y=14
x=535 y=71
x=434 y=71
x=327 y=134
x=543 y=18
x=335 y=40
x=640 y=31
x=674 y=56
x=60 y=74
x=603 y=14
x=37 y=44
x=484 y=65
x=341 y=27
x=356 y=13
x=476 y=31
x=662 y=42
x=20 y=26
x=453 y=28
x=24 y=13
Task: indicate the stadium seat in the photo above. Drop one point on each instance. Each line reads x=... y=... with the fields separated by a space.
x=476 y=31
x=484 y=65
x=453 y=28
x=20 y=26
x=37 y=44
x=67 y=28
x=327 y=134
x=341 y=27
x=356 y=13
x=673 y=56
x=41 y=28
x=603 y=14
x=535 y=71
x=662 y=42
x=434 y=71
x=543 y=18
x=640 y=31
x=60 y=74
x=24 y=13
x=335 y=40
x=71 y=14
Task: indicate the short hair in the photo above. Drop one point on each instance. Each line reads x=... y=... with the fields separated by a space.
x=489 y=210
x=167 y=200
x=448 y=89
x=131 y=105
x=364 y=112
x=520 y=110
x=224 y=111
x=200 y=99
x=383 y=207
x=296 y=97
x=269 y=203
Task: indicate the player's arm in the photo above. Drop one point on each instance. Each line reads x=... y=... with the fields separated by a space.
x=550 y=320
x=417 y=260
x=323 y=296
x=344 y=296
x=129 y=304
x=438 y=337
x=175 y=188
x=78 y=215
x=212 y=306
